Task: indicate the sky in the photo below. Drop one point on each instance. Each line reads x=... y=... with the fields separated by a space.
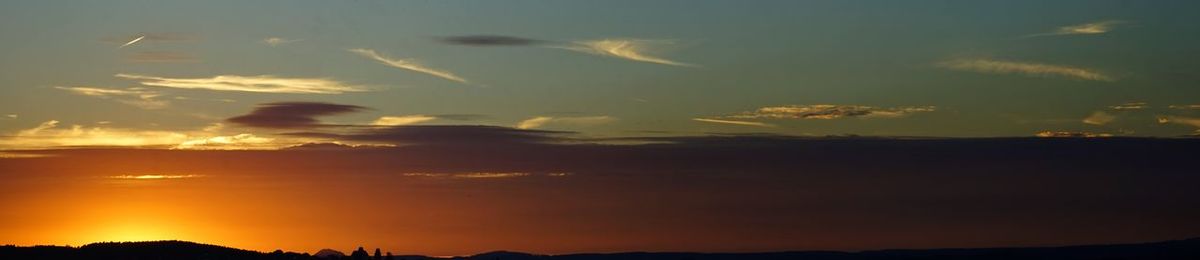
x=928 y=68
x=664 y=82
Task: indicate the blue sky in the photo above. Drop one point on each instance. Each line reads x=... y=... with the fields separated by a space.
x=911 y=68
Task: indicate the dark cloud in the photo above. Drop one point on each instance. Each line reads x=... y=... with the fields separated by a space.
x=451 y=135
x=488 y=40
x=292 y=114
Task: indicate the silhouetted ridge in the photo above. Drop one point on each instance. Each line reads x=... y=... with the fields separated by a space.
x=163 y=250
x=505 y=255
x=1175 y=249
x=323 y=253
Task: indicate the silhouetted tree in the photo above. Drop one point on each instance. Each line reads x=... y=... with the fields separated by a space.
x=360 y=254
x=389 y=256
x=378 y=256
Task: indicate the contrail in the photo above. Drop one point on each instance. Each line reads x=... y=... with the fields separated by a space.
x=407 y=64
x=629 y=49
x=139 y=38
x=733 y=122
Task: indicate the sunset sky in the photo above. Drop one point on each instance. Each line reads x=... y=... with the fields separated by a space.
x=456 y=127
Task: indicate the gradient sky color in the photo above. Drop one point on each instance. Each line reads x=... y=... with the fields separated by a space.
x=456 y=127
x=881 y=54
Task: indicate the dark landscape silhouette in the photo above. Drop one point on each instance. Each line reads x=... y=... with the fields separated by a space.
x=182 y=250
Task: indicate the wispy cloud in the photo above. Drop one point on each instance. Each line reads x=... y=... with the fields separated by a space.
x=1130 y=106
x=232 y=142
x=402 y=120
x=22 y=155
x=49 y=134
x=1099 y=118
x=262 y=83
x=733 y=122
x=477 y=175
x=1185 y=106
x=1081 y=29
x=276 y=41
x=533 y=122
x=630 y=49
x=1182 y=120
x=1070 y=134
x=155 y=176
x=408 y=64
x=540 y=121
x=11 y=116
x=1024 y=68
x=138 y=97
x=825 y=111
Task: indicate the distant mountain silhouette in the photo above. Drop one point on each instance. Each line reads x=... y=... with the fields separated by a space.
x=328 y=253
x=1175 y=249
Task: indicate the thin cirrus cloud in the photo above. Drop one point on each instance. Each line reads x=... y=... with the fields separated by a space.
x=1023 y=68
x=408 y=64
x=1099 y=118
x=50 y=134
x=1181 y=120
x=416 y=119
x=732 y=122
x=231 y=142
x=826 y=111
x=276 y=41
x=261 y=84
x=1130 y=106
x=1070 y=134
x=402 y=120
x=540 y=121
x=629 y=49
x=155 y=176
x=1100 y=27
x=139 y=97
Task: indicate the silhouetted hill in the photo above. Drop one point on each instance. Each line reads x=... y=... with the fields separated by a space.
x=1176 y=249
x=323 y=253
x=180 y=250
